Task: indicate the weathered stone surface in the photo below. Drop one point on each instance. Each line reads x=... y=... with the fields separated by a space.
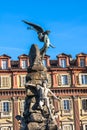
x=35 y=58
x=52 y=127
x=36 y=126
x=35 y=77
x=36 y=117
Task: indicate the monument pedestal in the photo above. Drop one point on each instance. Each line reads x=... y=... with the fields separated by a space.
x=38 y=110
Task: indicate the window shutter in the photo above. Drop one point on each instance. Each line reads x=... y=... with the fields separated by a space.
x=1 y=107
x=59 y=79
x=9 y=81
x=0 y=81
x=22 y=81
x=10 y=106
x=69 y=79
x=70 y=104
x=62 y=105
x=80 y=80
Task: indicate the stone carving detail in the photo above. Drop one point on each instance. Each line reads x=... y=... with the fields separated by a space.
x=39 y=112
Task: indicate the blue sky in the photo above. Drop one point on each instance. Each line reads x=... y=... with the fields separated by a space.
x=66 y=19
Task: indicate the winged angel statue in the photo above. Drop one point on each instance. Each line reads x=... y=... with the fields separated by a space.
x=42 y=36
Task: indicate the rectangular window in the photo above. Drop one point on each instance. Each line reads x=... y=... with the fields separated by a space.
x=5 y=108
x=84 y=79
x=4 y=64
x=5 y=81
x=82 y=62
x=67 y=127
x=5 y=128
x=85 y=127
x=22 y=80
x=66 y=105
x=84 y=104
x=64 y=79
x=24 y=64
x=44 y=62
x=63 y=63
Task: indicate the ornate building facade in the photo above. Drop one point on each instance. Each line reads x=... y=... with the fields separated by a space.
x=67 y=78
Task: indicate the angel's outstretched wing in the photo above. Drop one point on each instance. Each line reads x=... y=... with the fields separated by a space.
x=34 y=26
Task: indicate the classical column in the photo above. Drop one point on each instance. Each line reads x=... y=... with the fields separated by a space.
x=15 y=113
x=76 y=113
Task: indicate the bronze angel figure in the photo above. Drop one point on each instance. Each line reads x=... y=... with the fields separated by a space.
x=42 y=36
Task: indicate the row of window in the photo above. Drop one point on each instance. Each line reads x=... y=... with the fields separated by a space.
x=24 y=64
x=70 y=127
x=5 y=81
x=6 y=128
x=4 y=64
x=64 y=127
x=65 y=106
x=63 y=80
x=66 y=79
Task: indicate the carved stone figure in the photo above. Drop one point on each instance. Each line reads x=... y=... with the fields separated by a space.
x=44 y=97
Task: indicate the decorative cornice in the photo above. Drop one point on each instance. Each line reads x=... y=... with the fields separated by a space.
x=75 y=91
x=10 y=93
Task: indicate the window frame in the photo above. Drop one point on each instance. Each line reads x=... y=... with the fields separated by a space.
x=60 y=80
x=5 y=81
x=4 y=64
x=83 y=110
x=24 y=64
x=5 y=128
x=2 y=107
x=84 y=127
x=71 y=128
x=64 y=80
x=69 y=109
x=63 y=63
x=44 y=62
x=22 y=81
x=83 y=79
x=82 y=62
